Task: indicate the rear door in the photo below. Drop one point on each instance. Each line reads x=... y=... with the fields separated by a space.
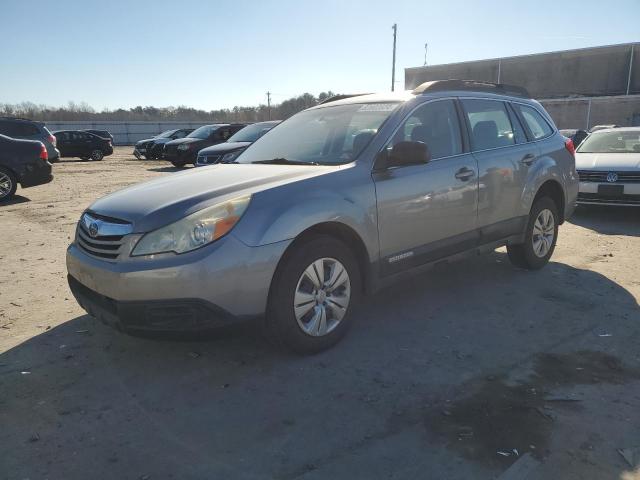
x=428 y=211
x=500 y=147
x=65 y=143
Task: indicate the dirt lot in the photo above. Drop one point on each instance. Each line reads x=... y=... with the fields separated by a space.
x=443 y=376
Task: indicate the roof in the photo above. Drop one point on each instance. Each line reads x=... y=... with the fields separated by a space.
x=401 y=96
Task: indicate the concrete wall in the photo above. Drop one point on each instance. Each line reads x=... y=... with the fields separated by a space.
x=586 y=72
x=124 y=133
x=587 y=112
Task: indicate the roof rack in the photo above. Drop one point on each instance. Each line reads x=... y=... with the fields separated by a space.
x=471 y=86
x=335 y=98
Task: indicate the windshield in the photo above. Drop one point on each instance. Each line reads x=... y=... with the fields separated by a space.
x=166 y=134
x=619 y=141
x=325 y=136
x=203 y=132
x=251 y=133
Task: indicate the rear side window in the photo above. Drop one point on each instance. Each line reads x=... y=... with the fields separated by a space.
x=490 y=124
x=18 y=129
x=538 y=126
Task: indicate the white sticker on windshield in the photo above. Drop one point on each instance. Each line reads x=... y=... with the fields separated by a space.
x=377 y=107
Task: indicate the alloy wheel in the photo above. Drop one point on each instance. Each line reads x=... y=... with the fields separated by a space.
x=322 y=297
x=543 y=233
x=6 y=185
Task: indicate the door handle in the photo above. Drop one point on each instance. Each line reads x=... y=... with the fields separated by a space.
x=464 y=174
x=528 y=159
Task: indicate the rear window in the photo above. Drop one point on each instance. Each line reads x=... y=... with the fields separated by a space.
x=538 y=126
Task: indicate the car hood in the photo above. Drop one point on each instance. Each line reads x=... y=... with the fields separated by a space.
x=224 y=147
x=179 y=141
x=140 y=142
x=159 y=202
x=608 y=161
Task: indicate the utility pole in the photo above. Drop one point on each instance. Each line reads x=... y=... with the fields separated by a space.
x=269 y=104
x=426 y=46
x=393 y=70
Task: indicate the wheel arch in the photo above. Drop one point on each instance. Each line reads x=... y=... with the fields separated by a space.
x=552 y=189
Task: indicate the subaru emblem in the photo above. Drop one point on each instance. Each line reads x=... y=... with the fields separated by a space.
x=612 y=177
x=93 y=229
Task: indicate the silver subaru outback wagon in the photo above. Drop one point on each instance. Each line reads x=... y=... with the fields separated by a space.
x=333 y=203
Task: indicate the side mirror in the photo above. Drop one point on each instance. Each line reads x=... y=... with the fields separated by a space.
x=403 y=154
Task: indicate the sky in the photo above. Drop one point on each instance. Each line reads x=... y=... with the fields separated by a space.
x=218 y=54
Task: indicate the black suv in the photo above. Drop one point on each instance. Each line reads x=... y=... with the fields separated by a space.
x=26 y=129
x=185 y=150
x=76 y=143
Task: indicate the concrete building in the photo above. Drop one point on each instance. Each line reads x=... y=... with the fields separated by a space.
x=580 y=88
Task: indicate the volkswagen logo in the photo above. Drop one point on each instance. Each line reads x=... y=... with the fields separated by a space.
x=612 y=177
x=93 y=229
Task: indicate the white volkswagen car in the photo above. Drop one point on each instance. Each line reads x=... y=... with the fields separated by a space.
x=608 y=164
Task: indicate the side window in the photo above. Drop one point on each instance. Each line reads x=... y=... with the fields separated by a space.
x=26 y=129
x=538 y=126
x=490 y=124
x=179 y=134
x=436 y=124
x=224 y=133
x=518 y=130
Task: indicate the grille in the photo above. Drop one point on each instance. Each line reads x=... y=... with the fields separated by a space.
x=601 y=177
x=108 y=242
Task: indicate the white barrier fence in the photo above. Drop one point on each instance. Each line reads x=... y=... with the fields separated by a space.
x=124 y=133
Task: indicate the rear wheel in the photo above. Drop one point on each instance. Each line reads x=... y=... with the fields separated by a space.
x=97 y=155
x=178 y=164
x=312 y=296
x=540 y=236
x=8 y=184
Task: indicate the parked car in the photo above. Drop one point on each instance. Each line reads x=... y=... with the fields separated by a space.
x=23 y=162
x=608 y=164
x=228 y=151
x=337 y=201
x=185 y=150
x=76 y=143
x=101 y=133
x=26 y=129
x=575 y=134
x=151 y=148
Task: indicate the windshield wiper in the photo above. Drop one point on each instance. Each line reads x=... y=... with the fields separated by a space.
x=284 y=161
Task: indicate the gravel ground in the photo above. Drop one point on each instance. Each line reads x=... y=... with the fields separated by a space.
x=446 y=375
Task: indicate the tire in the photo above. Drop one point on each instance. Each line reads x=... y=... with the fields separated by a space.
x=8 y=184
x=84 y=158
x=178 y=164
x=305 y=332
x=537 y=249
x=97 y=155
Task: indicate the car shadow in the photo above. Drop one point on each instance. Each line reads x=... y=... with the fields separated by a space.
x=608 y=220
x=82 y=399
x=15 y=201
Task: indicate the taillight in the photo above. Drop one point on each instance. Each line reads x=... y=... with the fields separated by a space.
x=44 y=155
x=568 y=144
x=53 y=140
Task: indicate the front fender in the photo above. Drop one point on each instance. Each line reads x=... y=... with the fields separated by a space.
x=285 y=212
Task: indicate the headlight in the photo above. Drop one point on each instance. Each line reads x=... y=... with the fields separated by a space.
x=194 y=231
x=230 y=157
x=184 y=146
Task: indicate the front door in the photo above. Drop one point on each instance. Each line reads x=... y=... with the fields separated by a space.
x=428 y=211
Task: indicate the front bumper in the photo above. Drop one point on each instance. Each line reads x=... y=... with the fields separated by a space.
x=589 y=194
x=212 y=286
x=180 y=156
x=37 y=173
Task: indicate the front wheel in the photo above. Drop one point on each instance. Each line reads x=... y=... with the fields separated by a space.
x=540 y=236
x=8 y=184
x=312 y=296
x=97 y=155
